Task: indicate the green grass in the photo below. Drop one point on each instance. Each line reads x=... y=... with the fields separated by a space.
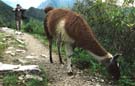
x=10 y=80
x=2 y=43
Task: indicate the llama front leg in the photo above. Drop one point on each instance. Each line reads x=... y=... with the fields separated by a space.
x=69 y=53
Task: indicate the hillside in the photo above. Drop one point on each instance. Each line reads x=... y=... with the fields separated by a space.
x=6 y=14
x=57 y=3
x=35 y=13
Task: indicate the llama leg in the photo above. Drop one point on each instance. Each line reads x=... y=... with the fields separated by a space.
x=69 y=53
x=59 y=45
x=50 y=50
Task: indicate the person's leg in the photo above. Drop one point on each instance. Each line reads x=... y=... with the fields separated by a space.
x=17 y=25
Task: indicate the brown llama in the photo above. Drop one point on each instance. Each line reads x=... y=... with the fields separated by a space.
x=71 y=29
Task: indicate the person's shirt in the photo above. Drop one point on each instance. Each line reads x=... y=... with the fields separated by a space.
x=18 y=13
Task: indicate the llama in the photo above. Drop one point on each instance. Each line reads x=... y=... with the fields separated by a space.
x=71 y=29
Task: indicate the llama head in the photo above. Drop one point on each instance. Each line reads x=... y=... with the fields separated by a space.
x=113 y=68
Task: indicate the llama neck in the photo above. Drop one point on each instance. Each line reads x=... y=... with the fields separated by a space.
x=101 y=58
x=96 y=50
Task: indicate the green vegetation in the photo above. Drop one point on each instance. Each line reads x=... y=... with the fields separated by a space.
x=6 y=15
x=2 y=43
x=35 y=13
x=113 y=27
x=10 y=80
x=34 y=26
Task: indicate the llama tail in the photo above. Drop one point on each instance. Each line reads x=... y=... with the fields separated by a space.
x=47 y=9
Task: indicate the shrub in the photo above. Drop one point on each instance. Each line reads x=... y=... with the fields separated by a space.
x=112 y=25
x=34 y=26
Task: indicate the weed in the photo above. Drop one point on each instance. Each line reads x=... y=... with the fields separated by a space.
x=10 y=80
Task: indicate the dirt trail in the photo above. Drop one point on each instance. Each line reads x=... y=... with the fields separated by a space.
x=56 y=73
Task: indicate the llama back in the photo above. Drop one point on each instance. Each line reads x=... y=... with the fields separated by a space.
x=78 y=29
x=54 y=18
x=74 y=29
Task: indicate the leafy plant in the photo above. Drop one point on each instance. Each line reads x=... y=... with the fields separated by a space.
x=2 y=43
x=112 y=25
x=34 y=26
x=10 y=80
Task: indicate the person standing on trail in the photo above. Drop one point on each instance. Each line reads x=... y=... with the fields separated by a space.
x=19 y=15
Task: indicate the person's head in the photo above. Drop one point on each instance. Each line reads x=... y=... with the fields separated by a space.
x=18 y=6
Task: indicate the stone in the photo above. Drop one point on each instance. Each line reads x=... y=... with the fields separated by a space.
x=10 y=52
x=33 y=77
x=22 y=61
x=30 y=57
x=43 y=55
x=20 y=51
x=21 y=46
x=17 y=68
x=18 y=33
x=21 y=77
x=20 y=41
x=9 y=48
x=97 y=84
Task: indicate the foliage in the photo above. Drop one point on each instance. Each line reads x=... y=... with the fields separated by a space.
x=6 y=15
x=10 y=80
x=2 y=43
x=35 y=13
x=34 y=26
x=113 y=27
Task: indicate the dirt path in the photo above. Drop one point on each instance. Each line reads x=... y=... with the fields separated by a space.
x=37 y=53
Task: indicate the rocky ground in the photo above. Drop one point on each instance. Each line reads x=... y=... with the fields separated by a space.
x=32 y=51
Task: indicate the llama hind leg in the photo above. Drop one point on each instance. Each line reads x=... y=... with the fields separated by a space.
x=69 y=53
x=59 y=45
x=50 y=50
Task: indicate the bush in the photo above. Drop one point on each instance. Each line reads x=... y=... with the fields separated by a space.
x=2 y=44
x=34 y=26
x=112 y=25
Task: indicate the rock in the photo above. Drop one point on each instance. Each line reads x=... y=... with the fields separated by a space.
x=97 y=84
x=33 y=77
x=20 y=41
x=7 y=30
x=10 y=52
x=10 y=48
x=4 y=39
x=20 y=51
x=8 y=36
x=21 y=77
x=22 y=61
x=43 y=55
x=30 y=57
x=17 y=68
x=21 y=46
x=18 y=33
x=102 y=80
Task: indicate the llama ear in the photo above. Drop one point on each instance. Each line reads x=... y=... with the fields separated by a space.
x=116 y=56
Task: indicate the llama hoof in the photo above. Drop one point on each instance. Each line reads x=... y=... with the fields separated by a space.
x=51 y=61
x=61 y=62
x=70 y=73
